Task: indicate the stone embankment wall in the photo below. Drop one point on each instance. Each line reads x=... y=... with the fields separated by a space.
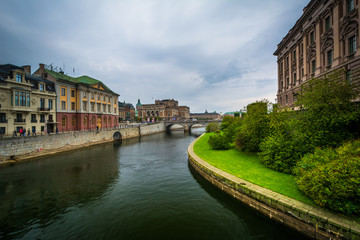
x=310 y=220
x=20 y=148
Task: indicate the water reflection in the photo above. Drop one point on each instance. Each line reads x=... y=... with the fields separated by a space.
x=38 y=192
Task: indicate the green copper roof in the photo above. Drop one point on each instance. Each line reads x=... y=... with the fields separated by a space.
x=82 y=79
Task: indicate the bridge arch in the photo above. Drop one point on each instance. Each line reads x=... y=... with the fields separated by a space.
x=117 y=136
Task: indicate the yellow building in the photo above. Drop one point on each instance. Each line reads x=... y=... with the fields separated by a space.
x=83 y=103
x=26 y=102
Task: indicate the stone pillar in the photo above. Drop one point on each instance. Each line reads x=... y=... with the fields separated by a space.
x=318 y=46
x=297 y=63
x=305 y=66
x=358 y=33
x=336 y=31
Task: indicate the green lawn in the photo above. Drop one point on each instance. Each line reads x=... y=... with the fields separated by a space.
x=248 y=167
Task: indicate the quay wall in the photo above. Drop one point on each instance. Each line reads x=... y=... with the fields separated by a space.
x=16 y=149
x=312 y=221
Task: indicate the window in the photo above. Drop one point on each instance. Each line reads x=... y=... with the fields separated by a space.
x=18 y=77
x=98 y=97
x=72 y=93
x=28 y=99
x=98 y=107
x=42 y=104
x=281 y=66
x=73 y=121
x=51 y=118
x=84 y=94
x=312 y=38
x=352 y=45
x=104 y=108
x=85 y=121
x=63 y=121
x=33 y=118
x=294 y=80
x=287 y=82
x=313 y=66
x=41 y=87
x=93 y=107
x=23 y=99
x=50 y=104
x=63 y=105
x=63 y=93
x=327 y=23
x=329 y=57
x=104 y=98
x=42 y=118
x=109 y=108
x=3 y=118
x=19 y=117
x=84 y=106
x=72 y=106
x=287 y=61
x=92 y=96
x=294 y=55
x=16 y=98
x=281 y=85
x=349 y=5
x=114 y=109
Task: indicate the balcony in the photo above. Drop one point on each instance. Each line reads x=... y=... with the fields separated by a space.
x=19 y=121
x=33 y=121
x=3 y=120
x=43 y=109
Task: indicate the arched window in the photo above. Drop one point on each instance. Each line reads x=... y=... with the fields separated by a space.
x=109 y=122
x=63 y=121
x=93 y=123
x=85 y=121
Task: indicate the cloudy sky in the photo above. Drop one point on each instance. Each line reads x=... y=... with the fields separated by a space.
x=214 y=55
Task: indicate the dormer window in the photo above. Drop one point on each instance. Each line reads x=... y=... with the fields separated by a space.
x=18 y=77
x=41 y=87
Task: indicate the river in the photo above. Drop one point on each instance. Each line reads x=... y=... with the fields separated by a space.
x=142 y=188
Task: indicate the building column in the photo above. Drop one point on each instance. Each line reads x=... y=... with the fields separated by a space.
x=318 y=47
x=305 y=66
x=358 y=34
x=297 y=63
x=336 y=31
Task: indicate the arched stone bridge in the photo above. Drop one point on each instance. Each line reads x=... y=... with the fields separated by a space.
x=187 y=125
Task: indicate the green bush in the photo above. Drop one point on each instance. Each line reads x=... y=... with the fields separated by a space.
x=254 y=127
x=332 y=177
x=218 y=141
x=212 y=127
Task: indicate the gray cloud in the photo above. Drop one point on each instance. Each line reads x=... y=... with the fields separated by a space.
x=214 y=55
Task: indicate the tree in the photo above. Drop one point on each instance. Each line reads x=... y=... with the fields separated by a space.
x=254 y=127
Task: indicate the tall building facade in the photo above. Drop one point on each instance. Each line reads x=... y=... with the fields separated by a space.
x=26 y=102
x=83 y=103
x=325 y=38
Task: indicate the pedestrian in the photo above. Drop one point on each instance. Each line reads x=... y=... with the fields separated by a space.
x=21 y=132
x=57 y=131
x=33 y=131
x=14 y=134
x=28 y=131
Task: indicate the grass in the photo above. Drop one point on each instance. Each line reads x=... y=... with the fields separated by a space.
x=248 y=167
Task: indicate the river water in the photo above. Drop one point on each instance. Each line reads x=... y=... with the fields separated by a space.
x=141 y=189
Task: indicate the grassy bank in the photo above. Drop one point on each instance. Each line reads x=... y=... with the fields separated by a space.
x=248 y=167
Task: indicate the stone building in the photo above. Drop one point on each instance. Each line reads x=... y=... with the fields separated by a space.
x=83 y=102
x=325 y=38
x=26 y=102
x=126 y=111
x=167 y=109
x=205 y=116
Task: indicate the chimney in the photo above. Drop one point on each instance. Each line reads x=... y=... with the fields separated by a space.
x=41 y=70
x=27 y=69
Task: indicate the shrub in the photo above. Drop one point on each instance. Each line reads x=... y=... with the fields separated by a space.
x=219 y=142
x=212 y=127
x=254 y=127
x=332 y=177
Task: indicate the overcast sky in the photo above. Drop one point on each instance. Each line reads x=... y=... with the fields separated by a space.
x=214 y=55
